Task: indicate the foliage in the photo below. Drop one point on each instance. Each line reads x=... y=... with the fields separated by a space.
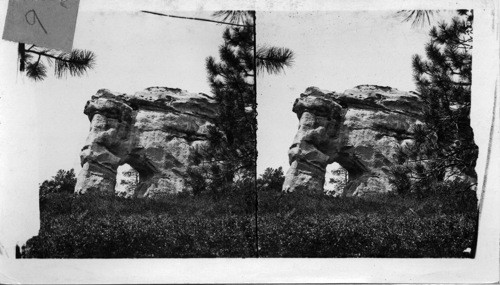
x=271 y=179
x=417 y=17
x=315 y=225
x=63 y=182
x=231 y=153
x=76 y=63
x=143 y=237
x=456 y=195
x=369 y=235
x=273 y=60
x=181 y=225
x=400 y=179
x=290 y=225
x=444 y=145
x=232 y=140
x=197 y=177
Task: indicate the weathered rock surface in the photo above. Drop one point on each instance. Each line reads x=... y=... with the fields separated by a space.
x=360 y=129
x=154 y=131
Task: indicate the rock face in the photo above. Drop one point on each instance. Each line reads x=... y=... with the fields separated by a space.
x=154 y=131
x=359 y=129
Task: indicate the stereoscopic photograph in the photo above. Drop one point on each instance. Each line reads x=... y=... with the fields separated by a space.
x=150 y=132
x=365 y=144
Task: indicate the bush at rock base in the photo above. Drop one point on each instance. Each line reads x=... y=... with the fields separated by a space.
x=63 y=182
x=290 y=225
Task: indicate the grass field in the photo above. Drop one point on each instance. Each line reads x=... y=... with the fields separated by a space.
x=289 y=225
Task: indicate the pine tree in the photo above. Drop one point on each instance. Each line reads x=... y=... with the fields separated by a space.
x=232 y=149
x=271 y=179
x=63 y=182
x=444 y=146
x=76 y=63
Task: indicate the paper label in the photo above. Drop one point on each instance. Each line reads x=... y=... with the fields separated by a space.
x=45 y=23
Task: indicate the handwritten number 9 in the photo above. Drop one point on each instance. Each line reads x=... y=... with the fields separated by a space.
x=32 y=17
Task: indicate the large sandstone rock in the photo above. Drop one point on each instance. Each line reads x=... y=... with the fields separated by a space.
x=360 y=129
x=154 y=131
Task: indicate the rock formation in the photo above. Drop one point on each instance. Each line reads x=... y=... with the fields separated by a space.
x=359 y=129
x=154 y=131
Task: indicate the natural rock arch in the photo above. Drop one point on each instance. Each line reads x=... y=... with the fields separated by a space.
x=359 y=129
x=154 y=131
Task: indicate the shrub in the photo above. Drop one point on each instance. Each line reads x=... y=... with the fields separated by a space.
x=400 y=180
x=63 y=182
x=456 y=195
x=271 y=179
x=196 y=180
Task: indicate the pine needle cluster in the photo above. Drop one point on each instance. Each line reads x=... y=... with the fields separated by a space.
x=417 y=17
x=34 y=60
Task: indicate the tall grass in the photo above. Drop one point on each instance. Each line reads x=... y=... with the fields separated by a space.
x=289 y=225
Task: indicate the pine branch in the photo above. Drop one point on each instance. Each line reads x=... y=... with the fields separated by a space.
x=192 y=18
x=235 y=16
x=273 y=59
x=417 y=17
x=76 y=63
